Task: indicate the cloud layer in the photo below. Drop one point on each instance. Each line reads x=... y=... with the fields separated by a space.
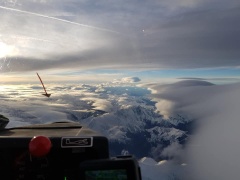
x=87 y=34
x=212 y=152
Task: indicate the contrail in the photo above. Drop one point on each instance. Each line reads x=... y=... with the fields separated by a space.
x=29 y=38
x=58 y=19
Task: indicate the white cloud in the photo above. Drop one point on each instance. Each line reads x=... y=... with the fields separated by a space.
x=174 y=98
x=174 y=150
x=165 y=107
x=212 y=152
x=151 y=170
x=101 y=104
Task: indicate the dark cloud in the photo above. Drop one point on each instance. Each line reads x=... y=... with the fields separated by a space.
x=130 y=79
x=91 y=59
x=191 y=78
x=190 y=83
x=167 y=34
x=196 y=40
x=227 y=79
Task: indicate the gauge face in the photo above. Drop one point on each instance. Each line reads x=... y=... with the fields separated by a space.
x=19 y=164
x=28 y=167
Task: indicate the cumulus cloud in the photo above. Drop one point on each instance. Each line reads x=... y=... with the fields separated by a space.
x=100 y=104
x=152 y=170
x=165 y=107
x=174 y=150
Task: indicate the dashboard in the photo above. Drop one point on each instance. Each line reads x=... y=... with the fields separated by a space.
x=71 y=144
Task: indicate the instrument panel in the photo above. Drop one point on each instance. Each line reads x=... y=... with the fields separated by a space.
x=70 y=144
x=19 y=164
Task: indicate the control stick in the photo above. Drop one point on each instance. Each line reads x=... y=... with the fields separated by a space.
x=39 y=146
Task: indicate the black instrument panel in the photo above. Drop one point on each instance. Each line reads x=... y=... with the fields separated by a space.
x=72 y=146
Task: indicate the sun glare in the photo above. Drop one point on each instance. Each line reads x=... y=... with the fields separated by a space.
x=5 y=50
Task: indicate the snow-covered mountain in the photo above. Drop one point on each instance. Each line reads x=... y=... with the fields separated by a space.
x=123 y=113
x=137 y=130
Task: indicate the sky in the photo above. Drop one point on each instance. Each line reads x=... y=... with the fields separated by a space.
x=81 y=40
x=185 y=52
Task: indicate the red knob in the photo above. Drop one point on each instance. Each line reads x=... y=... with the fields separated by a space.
x=39 y=146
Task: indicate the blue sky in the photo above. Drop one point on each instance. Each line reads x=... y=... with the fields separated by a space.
x=217 y=75
x=212 y=75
